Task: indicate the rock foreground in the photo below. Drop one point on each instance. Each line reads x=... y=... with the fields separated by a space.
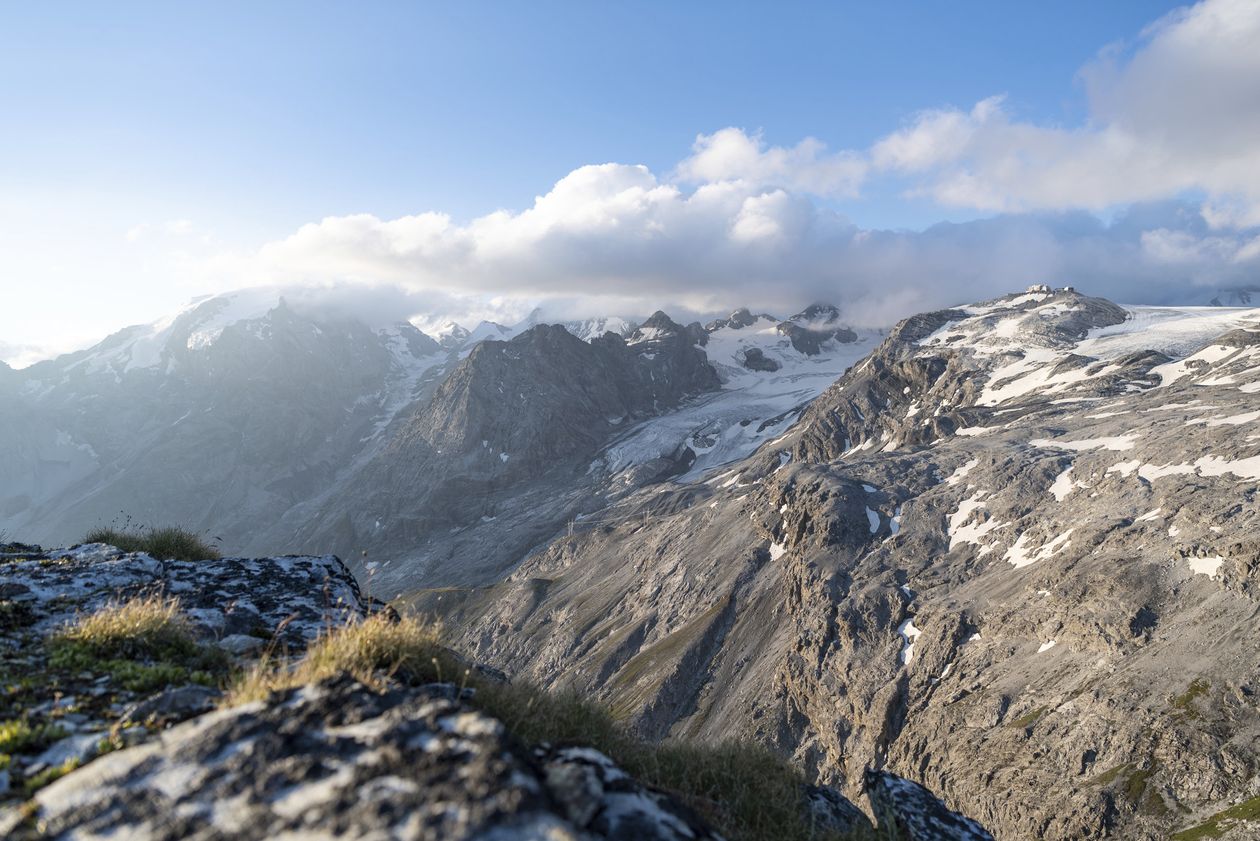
x=335 y=759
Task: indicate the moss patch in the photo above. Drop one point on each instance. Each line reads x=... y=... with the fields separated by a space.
x=1028 y=719
x=1183 y=704
x=1218 y=824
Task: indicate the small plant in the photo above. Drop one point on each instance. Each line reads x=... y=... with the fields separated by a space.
x=1247 y=811
x=48 y=775
x=371 y=651
x=168 y=543
x=143 y=627
x=145 y=643
x=1183 y=704
x=18 y=735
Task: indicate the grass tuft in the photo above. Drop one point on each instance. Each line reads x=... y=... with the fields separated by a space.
x=144 y=643
x=371 y=651
x=168 y=543
x=143 y=627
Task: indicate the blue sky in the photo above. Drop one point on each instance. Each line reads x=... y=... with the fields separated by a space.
x=233 y=125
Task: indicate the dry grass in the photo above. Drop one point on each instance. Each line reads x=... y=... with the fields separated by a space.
x=744 y=790
x=143 y=627
x=371 y=651
x=145 y=644
x=169 y=543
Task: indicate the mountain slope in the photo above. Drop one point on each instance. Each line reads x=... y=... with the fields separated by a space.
x=277 y=425
x=220 y=418
x=1021 y=531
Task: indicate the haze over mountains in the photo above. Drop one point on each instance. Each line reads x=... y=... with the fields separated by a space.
x=272 y=425
x=1023 y=523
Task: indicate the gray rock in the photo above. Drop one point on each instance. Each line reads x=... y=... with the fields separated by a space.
x=908 y=811
x=79 y=748
x=831 y=811
x=756 y=360
x=342 y=761
x=292 y=596
x=173 y=704
x=241 y=644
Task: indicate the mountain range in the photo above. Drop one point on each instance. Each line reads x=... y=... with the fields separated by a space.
x=1006 y=550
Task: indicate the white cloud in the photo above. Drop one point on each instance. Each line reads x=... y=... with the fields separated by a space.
x=1169 y=151
x=733 y=155
x=1177 y=112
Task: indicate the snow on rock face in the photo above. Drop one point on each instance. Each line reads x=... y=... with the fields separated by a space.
x=908 y=634
x=1206 y=566
x=1021 y=554
x=754 y=406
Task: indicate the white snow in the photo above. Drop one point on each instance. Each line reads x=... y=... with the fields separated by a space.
x=1021 y=555
x=1232 y=420
x=1148 y=516
x=729 y=423
x=961 y=473
x=1174 y=331
x=1046 y=646
x=1063 y=485
x=873 y=518
x=909 y=634
x=776 y=551
x=1206 y=566
x=961 y=527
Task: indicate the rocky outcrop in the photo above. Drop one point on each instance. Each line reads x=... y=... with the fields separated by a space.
x=338 y=760
x=815 y=325
x=69 y=709
x=913 y=812
x=288 y=599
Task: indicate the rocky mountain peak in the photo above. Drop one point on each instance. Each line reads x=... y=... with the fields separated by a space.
x=738 y=320
x=817 y=315
x=657 y=326
x=810 y=328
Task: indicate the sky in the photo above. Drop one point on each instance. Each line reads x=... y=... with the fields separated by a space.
x=474 y=159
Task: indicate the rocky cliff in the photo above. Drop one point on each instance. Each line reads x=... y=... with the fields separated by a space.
x=1009 y=555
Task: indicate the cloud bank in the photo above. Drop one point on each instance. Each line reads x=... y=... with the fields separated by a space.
x=1169 y=154
x=1154 y=197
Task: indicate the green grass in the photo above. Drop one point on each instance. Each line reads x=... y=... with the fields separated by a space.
x=168 y=543
x=1183 y=704
x=18 y=735
x=48 y=775
x=1029 y=718
x=745 y=791
x=1218 y=824
x=144 y=644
